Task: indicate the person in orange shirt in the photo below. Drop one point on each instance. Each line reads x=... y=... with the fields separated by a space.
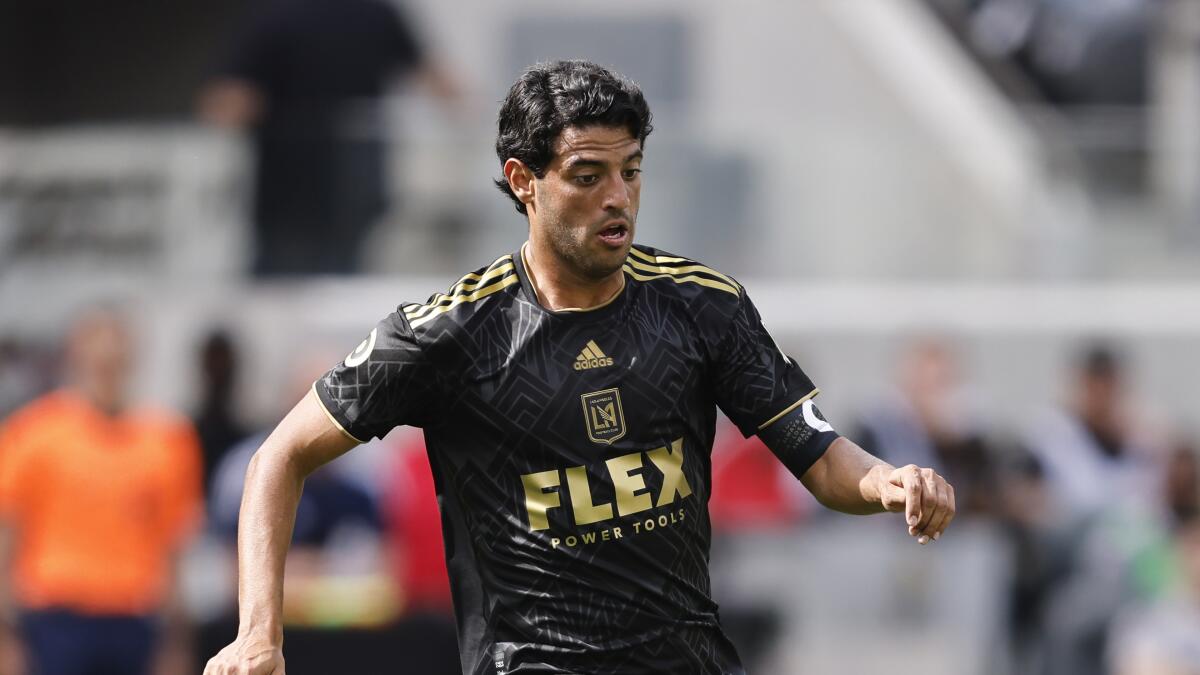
x=97 y=498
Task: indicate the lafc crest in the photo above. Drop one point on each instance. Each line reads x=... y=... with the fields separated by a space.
x=603 y=416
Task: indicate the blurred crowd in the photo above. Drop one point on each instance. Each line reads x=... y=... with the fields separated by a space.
x=104 y=500
x=1098 y=507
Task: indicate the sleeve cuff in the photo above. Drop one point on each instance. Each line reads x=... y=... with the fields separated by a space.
x=783 y=413
x=331 y=411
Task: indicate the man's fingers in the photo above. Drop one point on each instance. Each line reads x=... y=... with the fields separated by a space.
x=947 y=511
x=931 y=500
x=928 y=501
x=910 y=477
x=938 y=508
x=943 y=510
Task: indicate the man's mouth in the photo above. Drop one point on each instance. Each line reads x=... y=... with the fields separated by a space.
x=615 y=234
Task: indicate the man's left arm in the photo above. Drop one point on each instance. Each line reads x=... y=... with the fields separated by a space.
x=847 y=478
x=755 y=379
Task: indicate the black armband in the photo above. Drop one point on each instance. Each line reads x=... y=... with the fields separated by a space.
x=799 y=438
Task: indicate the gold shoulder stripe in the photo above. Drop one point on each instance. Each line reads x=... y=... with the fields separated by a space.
x=703 y=281
x=461 y=299
x=460 y=289
x=656 y=258
x=321 y=405
x=659 y=269
x=789 y=409
x=691 y=266
x=465 y=285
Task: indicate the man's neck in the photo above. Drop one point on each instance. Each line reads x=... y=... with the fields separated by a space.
x=108 y=400
x=559 y=290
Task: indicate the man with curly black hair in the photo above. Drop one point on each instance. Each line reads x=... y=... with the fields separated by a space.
x=569 y=395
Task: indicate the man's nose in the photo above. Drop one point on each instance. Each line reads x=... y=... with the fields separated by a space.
x=616 y=194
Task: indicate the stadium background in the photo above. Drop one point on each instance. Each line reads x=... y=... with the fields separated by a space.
x=1016 y=179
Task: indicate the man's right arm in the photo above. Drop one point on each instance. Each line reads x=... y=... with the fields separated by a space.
x=306 y=439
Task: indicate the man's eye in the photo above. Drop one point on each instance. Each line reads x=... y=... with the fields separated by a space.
x=587 y=179
x=630 y=174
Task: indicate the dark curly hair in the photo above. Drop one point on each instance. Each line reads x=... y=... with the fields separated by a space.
x=549 y=97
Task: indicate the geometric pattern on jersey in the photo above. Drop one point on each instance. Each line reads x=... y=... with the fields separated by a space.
x=572 y=547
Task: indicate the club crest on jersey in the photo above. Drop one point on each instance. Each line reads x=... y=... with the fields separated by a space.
x=592 y=357
x=603 y=416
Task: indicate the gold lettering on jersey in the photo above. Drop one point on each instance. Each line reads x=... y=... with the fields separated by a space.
x=626 y=473
x=632 y=494
x=662 y=521
x=603 y=416
x=586 y=512
x=537 y=500
x=670 y=463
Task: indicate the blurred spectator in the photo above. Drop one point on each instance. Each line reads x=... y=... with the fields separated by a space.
x=1102 y=476
x=336 y=540
x=97 y=497
x=218 y=426
x=927 y=420
x=1041 y=555
x=342 y=607
x=306 y=75
x=1164 y=638
x=1096 y=457
x=335 y=569
x=1182 y=488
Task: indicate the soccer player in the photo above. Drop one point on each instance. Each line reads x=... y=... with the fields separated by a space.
x=569 y=394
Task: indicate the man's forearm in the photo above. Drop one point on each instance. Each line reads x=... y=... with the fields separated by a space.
x=305 y=439
x=268 y=514
x=848 y=479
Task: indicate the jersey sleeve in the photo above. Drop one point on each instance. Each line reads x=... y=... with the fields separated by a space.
x=756 y=383
x=765 y=393
x=387 y=381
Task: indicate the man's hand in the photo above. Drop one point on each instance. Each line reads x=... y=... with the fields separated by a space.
x=247 y=656
x=926 y=499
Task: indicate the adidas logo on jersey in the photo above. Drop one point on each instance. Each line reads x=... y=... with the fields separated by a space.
x=592 y=357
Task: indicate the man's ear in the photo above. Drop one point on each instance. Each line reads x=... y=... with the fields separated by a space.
x=520 y=180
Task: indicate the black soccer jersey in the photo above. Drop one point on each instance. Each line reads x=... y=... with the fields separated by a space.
x=571 y=452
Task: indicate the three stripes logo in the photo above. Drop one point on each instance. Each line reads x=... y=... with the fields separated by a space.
x=592 y=357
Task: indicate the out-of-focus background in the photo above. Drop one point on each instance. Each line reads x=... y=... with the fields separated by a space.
x=975 y=223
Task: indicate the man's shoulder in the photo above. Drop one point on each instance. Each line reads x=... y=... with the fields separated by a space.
x=482 y=289
x=680 y=276
x=51 y=407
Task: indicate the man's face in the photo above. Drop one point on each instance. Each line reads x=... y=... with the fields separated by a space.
x=586 y=205
x=100 y=352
